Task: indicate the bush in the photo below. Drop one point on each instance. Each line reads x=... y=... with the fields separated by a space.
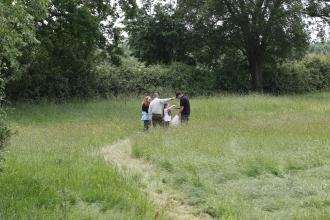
x=309 y=75
x=233 y=75
x=5 y=134
x=5 y=130
x=52 y=85
x=135 y=78
x=230 y=74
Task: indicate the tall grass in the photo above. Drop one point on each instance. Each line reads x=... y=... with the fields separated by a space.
x=54 y=168
x=240 y=157
x=249 y=157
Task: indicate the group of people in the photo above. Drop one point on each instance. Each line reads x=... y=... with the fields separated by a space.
x=158 y=111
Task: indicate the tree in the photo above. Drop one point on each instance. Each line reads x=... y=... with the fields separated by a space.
x=320 y=48
x=17 y=31
x=71 y=37
x=157 y=36
x=264 y=31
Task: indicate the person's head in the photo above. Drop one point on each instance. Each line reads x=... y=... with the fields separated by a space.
x=165 y=105
x=146 y=100
x=156 y=95
x=178 y=95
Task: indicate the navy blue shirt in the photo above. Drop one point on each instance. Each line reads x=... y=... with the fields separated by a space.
x=184 y=101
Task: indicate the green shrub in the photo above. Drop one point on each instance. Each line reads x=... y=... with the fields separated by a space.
x=233 y=75
x=230 y=74
x=5 y=130
x=297 y=77
x=5 y=134
x=135 y=78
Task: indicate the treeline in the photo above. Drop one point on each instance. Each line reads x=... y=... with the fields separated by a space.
x=320 y=48
x=62 y=49
x=51 y=48
x=310 y=74
x=132 y=78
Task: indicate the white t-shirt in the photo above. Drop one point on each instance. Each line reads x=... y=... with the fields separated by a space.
x=166 y=116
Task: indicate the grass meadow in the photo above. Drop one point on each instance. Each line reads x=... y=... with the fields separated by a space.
x=240 y=157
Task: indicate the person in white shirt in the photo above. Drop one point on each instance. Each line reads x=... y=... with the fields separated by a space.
x=167 y=114
x=156 y=109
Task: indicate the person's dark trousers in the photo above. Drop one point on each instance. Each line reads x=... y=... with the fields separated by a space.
x=184 y=119
x=157 y=119
x=166 y=124
x=146 y=125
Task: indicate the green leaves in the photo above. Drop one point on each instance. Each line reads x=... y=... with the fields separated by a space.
x=158 y=36
x=16 y=31
x=71 y=33
x=264 y=31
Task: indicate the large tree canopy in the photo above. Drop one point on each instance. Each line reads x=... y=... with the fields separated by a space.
x=264 y=31
x=156 y=35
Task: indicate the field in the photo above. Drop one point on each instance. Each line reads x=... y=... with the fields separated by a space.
x=240 y=157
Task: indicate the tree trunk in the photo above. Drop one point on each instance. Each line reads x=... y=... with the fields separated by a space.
x=256 y=73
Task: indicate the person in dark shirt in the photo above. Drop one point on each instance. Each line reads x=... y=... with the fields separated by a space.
x=184 y=107
x=145 y=109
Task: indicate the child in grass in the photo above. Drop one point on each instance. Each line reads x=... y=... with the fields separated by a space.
x=167 y=114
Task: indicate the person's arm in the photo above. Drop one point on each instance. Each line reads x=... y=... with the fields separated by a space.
x=182 y=104
x=181 y=110
x=162 y=101
x=150 y=113
x=172 y=106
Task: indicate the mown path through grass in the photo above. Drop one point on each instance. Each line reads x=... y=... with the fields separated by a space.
x=120 y=155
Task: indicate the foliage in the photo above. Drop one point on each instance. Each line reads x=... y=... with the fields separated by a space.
x=320 y=48
x=229 y=75
x=5 y=130
x=232 y=73
x=264 y=31
x=134 y=78
x=62 y=49
x=17 y=32
x=71 y=37
x=310 y=75
x=156 y=36
x=5 y=136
